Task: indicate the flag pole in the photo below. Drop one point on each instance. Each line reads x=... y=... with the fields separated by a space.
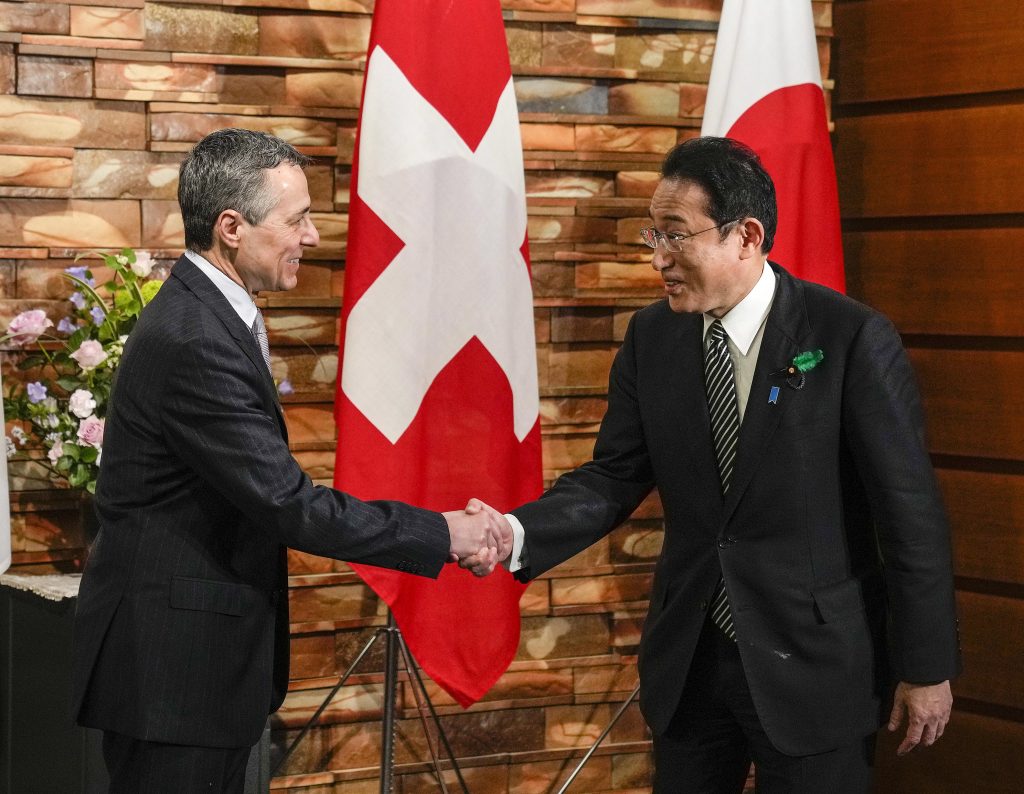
x=387 y=747
x=395 y=648
x=597 y=742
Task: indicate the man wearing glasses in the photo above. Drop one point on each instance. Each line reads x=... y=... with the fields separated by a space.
x=804 y=593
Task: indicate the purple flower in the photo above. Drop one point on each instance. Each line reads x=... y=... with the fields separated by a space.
x=284 y=388
x=66 y=326
x=36 y=392
x=78 y=299
x=98 y=315
x=80 y=272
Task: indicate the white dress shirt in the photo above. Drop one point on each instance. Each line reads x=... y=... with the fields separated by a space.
x=238 y=296
x=744 y=329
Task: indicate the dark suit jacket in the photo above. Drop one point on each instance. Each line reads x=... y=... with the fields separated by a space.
x=833 y=540
x=181 y=632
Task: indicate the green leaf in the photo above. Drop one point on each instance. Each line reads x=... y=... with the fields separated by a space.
x=72 y=451
x=31 y=362
x=79 y=476
x=807 y=361
x=89 y=454
x=69 y=383
x=91 y=486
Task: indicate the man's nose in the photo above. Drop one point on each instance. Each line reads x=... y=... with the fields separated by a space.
x=660 y=259
x=310 y=236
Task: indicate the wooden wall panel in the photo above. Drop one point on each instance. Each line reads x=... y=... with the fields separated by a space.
x=957 y=161
x=976 y=755
x=972 y=401
x=928 y=158
x=991 y=648
x=986 y=512
x=941 y=281
x=925 y=48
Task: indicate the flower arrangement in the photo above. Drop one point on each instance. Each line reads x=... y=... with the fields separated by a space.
x=58 y=411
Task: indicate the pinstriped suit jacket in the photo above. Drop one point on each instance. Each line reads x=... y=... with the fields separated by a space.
x=181 y=633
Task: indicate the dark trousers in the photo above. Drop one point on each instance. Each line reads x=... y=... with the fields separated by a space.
x=716 y=733
x=140 y=767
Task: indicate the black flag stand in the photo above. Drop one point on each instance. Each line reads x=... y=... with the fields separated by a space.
x=598 y=740
x=395 y=647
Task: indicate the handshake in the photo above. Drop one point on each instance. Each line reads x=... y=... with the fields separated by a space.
x=481 y=537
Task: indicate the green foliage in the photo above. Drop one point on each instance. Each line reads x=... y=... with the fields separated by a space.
x=61 y=413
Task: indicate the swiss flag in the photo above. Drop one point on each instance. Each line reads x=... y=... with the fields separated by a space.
x=765 y=90
x=437 y=392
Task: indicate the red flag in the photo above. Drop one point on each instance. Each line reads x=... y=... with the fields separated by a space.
x=765 y=90
x=437 y=399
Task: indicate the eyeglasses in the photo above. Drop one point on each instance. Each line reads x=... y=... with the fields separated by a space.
x=673 y=242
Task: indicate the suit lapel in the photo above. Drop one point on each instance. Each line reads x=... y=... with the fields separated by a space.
x=784 y=330
x=685 y=388
x=206 y=291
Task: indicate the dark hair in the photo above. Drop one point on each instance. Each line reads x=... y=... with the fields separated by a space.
x=731 y=174
x=227 y=170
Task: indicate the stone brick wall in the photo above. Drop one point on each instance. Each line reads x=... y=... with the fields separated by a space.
x=98 y=101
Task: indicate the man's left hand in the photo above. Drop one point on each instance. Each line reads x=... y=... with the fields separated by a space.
x=927 y=708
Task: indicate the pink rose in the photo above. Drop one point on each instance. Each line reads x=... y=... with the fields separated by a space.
x=27 y=327
x=90 y=354
x=90 y=432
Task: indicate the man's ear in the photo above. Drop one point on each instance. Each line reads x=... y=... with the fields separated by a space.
x=227 y=228
x=751 y=237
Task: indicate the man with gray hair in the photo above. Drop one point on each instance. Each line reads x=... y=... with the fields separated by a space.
x=181 y=632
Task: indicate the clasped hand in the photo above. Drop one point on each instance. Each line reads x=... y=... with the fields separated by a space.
x=481 y=537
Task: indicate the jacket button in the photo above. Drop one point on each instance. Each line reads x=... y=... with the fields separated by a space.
x=704 y=606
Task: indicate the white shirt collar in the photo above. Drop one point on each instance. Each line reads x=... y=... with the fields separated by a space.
x=237 y=295
x=745 y=318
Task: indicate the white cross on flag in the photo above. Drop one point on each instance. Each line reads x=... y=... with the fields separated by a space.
x=437 y=398
x=765 y=90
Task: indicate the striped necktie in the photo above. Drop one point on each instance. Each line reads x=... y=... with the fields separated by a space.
x=725 y=431
x=259 y=331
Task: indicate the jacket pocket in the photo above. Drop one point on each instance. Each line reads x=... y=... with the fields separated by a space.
x=837 y=600
x=209 y=595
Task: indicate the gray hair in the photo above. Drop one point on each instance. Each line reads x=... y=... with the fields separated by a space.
x=227 y=170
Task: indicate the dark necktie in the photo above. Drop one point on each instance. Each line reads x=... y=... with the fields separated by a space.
x=259 y=331
x=725 y=431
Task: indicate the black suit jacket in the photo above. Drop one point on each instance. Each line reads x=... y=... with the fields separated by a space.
x=832 y=540
x=181 y=632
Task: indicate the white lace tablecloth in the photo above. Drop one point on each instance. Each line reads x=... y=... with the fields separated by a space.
x=53 y=587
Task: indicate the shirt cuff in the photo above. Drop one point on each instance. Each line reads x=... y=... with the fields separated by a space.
x=517 y=559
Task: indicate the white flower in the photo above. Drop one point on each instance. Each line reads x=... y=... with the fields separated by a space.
x=82 y=403
x=19 y=435
x=143 y=264
x=11 y=449
x=56 y=451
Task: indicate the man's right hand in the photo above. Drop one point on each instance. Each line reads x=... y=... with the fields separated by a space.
x=480 y=537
